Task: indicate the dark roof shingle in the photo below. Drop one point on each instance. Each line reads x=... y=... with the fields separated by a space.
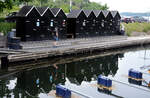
x=87 y=12
x=25 y=10
x=55 y=11
x=97 y=12
x=42 y=9
x=114 y=13
x=105 y=13
x=74 y=13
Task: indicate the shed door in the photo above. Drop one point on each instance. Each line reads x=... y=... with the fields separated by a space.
x=71 y=28
x=29 y=31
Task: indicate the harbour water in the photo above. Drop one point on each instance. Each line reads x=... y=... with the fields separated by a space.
x=81 y=77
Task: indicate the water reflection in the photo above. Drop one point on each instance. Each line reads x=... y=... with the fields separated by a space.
x=109 y=93
x=88 y=70
x=104 y=91
x=132 y=81
x=43 y=80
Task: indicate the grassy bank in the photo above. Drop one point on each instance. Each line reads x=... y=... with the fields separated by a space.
x=6 y=27
x=136 y=27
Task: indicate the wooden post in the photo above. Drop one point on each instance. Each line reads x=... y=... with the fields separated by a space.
x=4 y=62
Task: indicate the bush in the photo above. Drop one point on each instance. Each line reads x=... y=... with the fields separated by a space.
x=146 y=28
x=136 y=27
x=6 y=27
x=2 y=19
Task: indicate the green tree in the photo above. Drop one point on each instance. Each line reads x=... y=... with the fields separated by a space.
x=8 y=4
x=5 y=4
x=65 y=4
x=65 y=8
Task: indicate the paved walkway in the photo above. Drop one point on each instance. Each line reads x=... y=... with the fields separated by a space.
x=79 y=42
x=106 y=41
x=43 y=49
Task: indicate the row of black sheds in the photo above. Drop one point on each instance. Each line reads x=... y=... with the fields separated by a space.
x=39 y=23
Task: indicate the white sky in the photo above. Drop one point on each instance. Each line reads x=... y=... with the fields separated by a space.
x=127 y=5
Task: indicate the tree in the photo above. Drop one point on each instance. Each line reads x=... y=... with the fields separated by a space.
x=5 y=4
x=8 y=4
x=76 y=4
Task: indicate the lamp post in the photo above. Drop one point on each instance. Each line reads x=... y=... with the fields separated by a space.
x=70 y=5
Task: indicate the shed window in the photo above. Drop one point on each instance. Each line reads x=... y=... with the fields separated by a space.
x=28 y=36
x=52 y=23
x=38 y=23
x=77 y=21
x=84 y=23
x=118 y=23
x=64 y=23
x=42 y=21
x=97 y=21
x=94 y=21
x=102 y=24
x=27 y=21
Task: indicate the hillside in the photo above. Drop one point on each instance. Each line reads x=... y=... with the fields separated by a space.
x=64 y=4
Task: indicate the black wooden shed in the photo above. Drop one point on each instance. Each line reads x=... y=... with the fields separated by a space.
x=100 y=20
x=116 y=22
x=28 y=24
x=47 y=23
x=60 y=21
x=90 y=23
x=76 y=24
x=107 y=22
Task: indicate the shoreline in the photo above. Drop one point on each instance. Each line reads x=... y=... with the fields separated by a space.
x=82 y=47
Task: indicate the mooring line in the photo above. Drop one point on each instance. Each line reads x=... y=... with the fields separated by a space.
x=9 y=74
x=30 y=94
x=43 y=91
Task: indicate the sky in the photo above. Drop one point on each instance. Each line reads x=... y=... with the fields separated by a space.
x=126 y=5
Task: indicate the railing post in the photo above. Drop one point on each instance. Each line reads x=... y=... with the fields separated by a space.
x=4 y=62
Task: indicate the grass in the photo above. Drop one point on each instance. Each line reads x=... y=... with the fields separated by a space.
x=6 y=27
x=136 y=27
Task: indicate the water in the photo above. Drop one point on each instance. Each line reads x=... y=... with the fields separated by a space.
x=80 y=76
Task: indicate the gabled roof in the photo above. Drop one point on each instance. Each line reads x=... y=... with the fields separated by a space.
x=42 y=10
x=92 y=15
x=114 y=13
x=55 y=11
x=25 y=10
x=97 y=12
x=87 y=12
x=74 y=13
x=105 y=13
x=49 y=13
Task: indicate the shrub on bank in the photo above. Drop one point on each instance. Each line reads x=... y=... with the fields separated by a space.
x=6 y=27
x=2 y=19
x=136 y=27
x=146 y=28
